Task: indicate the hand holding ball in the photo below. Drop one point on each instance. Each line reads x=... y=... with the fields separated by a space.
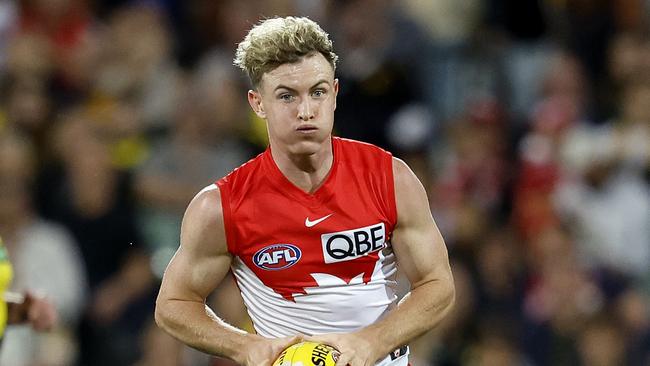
x=308 y=354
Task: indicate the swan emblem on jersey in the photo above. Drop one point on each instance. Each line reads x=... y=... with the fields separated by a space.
x=277 y=256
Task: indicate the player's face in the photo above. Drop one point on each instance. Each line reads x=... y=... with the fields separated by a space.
x=298 y=101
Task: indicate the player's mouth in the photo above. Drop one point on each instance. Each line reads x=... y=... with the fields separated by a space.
x=307 y=128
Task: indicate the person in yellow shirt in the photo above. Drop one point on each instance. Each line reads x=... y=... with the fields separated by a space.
x=6 y=274
x=16 y=308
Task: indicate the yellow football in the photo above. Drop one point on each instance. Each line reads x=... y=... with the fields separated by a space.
x=308 y=354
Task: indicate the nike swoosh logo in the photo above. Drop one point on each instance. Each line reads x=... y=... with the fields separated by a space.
x=310 y=223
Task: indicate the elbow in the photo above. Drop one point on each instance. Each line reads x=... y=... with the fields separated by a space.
x=161 y=314
x=451 y=294
x=447 y=296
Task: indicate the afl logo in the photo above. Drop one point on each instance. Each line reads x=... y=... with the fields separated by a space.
x=277 y=256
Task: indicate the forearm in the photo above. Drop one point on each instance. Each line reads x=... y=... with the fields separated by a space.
x=196 y=325
x=419 y=311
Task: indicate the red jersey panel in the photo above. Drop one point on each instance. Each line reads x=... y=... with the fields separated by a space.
x=313 y=263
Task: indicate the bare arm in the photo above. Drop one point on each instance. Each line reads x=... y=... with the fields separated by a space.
x=422 y=256
x=199 y=265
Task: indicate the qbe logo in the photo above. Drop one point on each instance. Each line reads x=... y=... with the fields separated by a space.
x=277 y=256
x=351 y=244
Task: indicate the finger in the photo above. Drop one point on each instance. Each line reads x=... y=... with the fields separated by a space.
x=292 y=340
x=297 y=338
x=313 y=339
x=344 y=360
x=322 y=339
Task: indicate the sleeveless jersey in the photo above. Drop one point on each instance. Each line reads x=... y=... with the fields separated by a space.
x=6 y=274
x=314 y=263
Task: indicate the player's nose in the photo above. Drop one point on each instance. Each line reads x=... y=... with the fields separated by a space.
x=305 y=110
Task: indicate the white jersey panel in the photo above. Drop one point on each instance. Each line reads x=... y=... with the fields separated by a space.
x=333 y=306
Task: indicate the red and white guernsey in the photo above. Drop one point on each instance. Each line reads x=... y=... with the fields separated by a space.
x=314 y=263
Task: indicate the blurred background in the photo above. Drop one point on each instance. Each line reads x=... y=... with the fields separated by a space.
x=528 y=121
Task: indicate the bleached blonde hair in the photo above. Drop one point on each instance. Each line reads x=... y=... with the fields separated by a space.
x=277 y=41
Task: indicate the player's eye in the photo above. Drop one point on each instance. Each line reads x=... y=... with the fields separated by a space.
x=318 y=93
x=285 y=97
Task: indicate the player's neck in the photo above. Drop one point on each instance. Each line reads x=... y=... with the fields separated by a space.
x=306 y=171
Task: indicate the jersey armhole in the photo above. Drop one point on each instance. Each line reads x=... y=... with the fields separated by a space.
x=227 y=217
x=390 y=189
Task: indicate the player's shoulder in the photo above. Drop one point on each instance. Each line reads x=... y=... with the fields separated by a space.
x=406 y=182
x=360 y=146
x=401 y=169
x=361 y=154
x=203 y=226
x=206 y=205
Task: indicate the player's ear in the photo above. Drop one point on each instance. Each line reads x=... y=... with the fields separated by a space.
x=255 y=101
x=336 y=90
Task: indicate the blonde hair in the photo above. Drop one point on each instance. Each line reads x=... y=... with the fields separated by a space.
x=277 y=41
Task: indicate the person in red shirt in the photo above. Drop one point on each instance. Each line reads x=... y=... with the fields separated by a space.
x=313 y=229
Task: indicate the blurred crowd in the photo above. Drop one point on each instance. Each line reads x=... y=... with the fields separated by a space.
x=528 y=122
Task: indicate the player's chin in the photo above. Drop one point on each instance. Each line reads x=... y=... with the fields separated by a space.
x=308 y=145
